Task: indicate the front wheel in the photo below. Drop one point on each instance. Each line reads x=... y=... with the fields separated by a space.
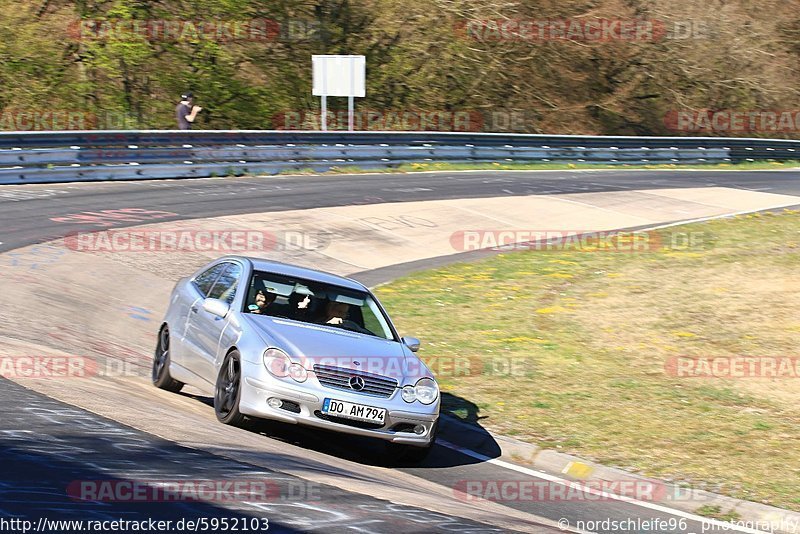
x=160 y=375
x=228 y=391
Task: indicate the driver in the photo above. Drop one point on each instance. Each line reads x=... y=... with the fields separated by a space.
x=262 y=301
x=335 y=312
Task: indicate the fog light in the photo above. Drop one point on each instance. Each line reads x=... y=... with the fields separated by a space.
x=419 y=430
x=274 y=403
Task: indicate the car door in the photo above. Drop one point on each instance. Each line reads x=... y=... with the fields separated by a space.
x=189 y=297
x=205 y=329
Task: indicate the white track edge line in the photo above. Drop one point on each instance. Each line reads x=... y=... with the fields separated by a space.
x=613 y=496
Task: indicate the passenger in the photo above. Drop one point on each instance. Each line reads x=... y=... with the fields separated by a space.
x=298 y=306
x=262 y=301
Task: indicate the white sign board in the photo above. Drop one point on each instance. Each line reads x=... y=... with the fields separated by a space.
x=339 y=75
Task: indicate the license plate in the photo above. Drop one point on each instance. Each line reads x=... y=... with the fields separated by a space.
x=358 y=412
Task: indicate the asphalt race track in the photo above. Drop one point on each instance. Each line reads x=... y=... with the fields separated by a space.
x=47 y=445
x=27 y=210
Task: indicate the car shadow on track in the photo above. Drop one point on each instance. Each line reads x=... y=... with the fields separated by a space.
x=459 y=426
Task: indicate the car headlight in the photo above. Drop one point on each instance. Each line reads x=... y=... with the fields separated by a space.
x=426 y=390
x=280 y=365
x=277 y=363
x=298 y=372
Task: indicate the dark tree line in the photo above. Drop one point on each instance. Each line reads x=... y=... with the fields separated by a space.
x=123 y=63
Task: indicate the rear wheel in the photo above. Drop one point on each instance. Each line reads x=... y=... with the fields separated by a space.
x=228 y=391
x=160 y=376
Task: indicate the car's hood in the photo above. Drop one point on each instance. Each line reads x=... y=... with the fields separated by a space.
x=312 y=344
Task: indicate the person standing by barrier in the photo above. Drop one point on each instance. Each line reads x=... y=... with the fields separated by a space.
x=186 y=113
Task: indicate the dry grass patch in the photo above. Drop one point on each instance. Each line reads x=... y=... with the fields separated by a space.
x=589 y=335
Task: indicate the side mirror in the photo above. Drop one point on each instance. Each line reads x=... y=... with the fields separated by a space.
x=216 y=307
x=411 y=342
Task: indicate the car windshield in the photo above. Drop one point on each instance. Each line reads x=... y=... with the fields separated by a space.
x=316 y=303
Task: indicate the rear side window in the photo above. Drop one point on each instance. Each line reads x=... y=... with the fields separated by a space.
x=225 y=288
x=205 y=281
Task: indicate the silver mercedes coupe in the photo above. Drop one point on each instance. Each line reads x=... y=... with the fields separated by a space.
x=275 y=341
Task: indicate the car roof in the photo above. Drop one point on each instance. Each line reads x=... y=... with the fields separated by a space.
x=260 y=264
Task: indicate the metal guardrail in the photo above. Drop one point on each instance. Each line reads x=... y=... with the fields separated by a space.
x=41 y=157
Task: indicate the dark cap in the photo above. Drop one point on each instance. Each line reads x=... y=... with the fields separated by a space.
x=187 y=95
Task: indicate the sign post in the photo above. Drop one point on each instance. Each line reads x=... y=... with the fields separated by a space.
x=337 y=75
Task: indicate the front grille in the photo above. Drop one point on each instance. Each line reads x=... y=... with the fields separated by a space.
x=339 y=378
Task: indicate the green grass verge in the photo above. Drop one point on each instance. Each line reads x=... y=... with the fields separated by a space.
x=517 y=166
x=571 y=350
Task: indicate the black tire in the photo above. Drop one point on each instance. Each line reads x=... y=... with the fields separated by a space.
x=228 y=391
x=160 y=374
x=409 y=454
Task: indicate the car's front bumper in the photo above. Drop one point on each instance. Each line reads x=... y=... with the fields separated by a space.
x=401 y=417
